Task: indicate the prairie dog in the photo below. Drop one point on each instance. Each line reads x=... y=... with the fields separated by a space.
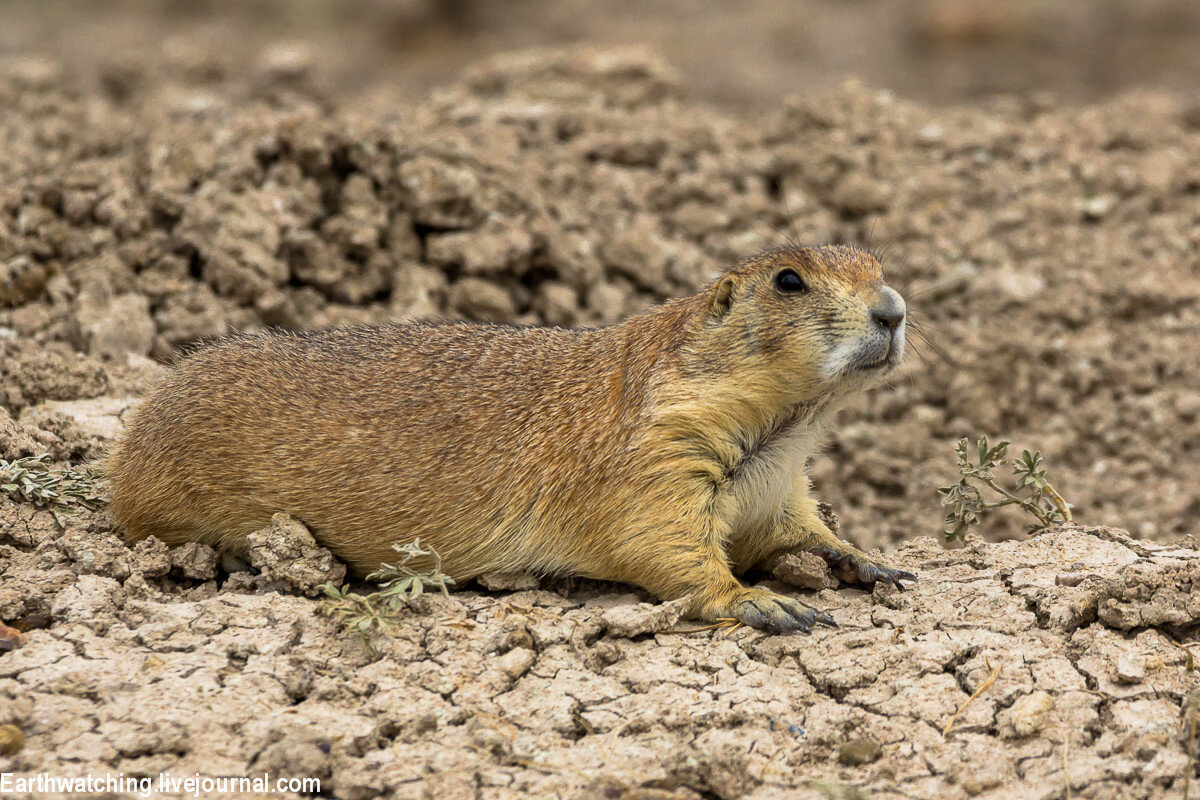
x=668 y=451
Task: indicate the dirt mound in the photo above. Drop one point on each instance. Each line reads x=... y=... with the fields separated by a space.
x=1050 y=253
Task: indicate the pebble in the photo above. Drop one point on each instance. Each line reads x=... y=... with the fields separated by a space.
x=1028 y=715
x=859 y=751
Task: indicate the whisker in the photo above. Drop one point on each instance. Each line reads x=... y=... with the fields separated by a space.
x=882 y=251
x=921 y=336
x=783 y=235
x=925 y=326
x=931 y=288
x=791 y=219
x=912 y=345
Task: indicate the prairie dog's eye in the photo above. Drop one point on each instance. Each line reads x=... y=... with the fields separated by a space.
x=789 y=282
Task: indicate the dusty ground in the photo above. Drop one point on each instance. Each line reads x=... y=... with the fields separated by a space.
x=1051 y=253
x=149 y=660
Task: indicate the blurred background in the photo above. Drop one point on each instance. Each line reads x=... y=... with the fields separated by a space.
x=748 y=54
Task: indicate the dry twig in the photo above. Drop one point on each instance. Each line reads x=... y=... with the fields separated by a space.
x=983 y=687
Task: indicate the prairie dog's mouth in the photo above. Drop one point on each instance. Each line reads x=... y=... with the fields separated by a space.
x=876 y=364
x=871 y=359
x=853 y=360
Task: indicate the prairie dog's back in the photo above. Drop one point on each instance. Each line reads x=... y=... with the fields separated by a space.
x=439 y=431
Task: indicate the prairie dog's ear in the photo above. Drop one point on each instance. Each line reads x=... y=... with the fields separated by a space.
x=720 y=299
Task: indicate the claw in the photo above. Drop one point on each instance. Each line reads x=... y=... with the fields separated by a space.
x=777 y=613
x=824 y=619
x=864 y=571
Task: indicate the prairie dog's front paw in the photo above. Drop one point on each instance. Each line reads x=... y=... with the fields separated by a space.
x=777 y=613
x=855 y=568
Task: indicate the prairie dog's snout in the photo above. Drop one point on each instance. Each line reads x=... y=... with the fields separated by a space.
x=889 y=311
x=885 y=342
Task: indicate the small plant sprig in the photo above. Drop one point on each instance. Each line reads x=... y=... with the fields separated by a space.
x=1032 y=491
x=402 y=582
x=377 y=614
x=32 y=480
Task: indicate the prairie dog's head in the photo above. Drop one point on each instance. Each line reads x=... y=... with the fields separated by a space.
x=820 y=319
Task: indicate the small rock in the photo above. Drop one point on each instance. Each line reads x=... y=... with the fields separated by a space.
x=11 y=740
x=34 y=72
x=10 y=638
x=1009 y=218
x=492 y=250
x=575 y=258
x=299 y=752
x=1011 y=283
x=98 y=554
x=1080 y=609
x=805 y=570
x=290 y=558
x=1166 y=766
x=641 y=149
x=508 y=581
x=515 y=662
x=482 y=300
x=196 y=561
x=1130 y=670
x=99 y=417
x=717 y=772
x=417 y=292
x=629 y=621
x=930 y=135
x=92 y=601
x=860 y=751
x=558 y=304
x=286 y=62
x=441 y=195
x=1028 y=715
x=607 y=302
x=22 y=280
x=638 y=252
x=858 y=195
x=16 y=439
x=1187 y=405
x=982 y=780
x=120 y=327
x=960 y=280
x=151 y=557
x=1096 y=208
x=15 y=710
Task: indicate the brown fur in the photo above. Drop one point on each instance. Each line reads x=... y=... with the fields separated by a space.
x=667 y=451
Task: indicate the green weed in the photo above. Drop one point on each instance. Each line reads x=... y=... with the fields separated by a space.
x=32 y=480
x=1028 y=489
x=377 y=614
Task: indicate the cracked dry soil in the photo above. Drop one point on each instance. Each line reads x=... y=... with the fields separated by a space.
x=1053 y=249
x=145 y=659
x=148 y=660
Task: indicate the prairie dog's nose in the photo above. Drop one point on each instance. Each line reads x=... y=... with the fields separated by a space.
x=889 y=309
